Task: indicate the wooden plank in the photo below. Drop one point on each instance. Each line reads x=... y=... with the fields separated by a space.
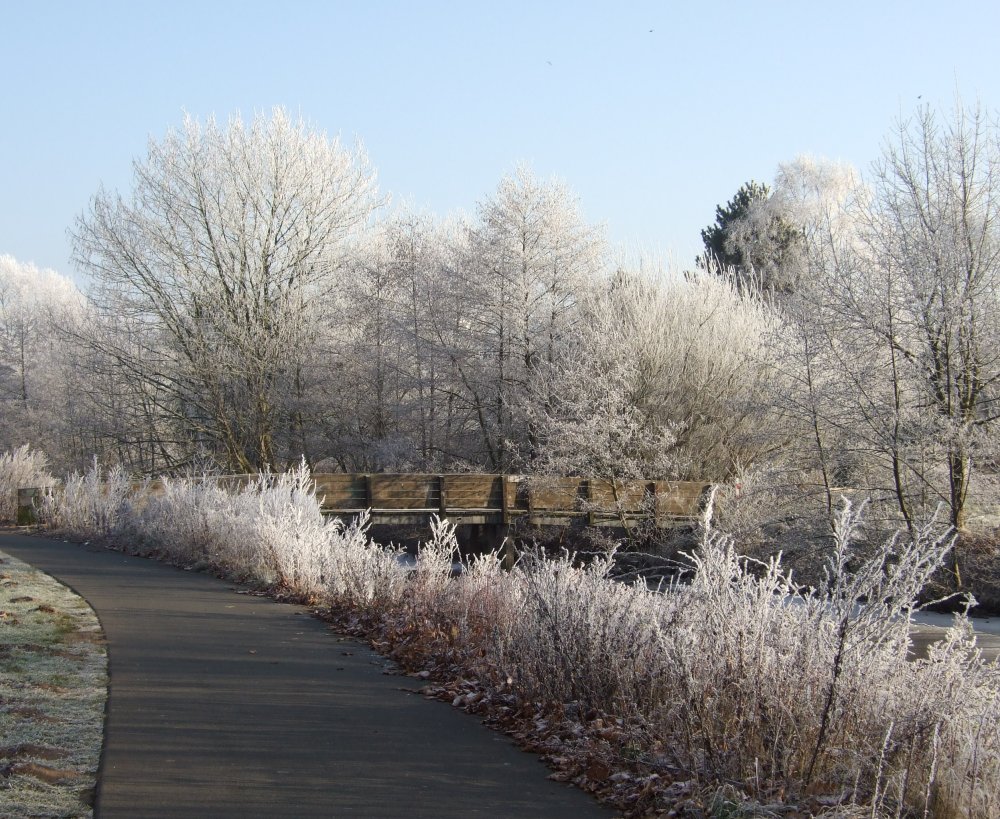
x=679 y=499
x=341 y=491
x=404 y=492
x=557 y=494
x=473 y=491
x=629 y=496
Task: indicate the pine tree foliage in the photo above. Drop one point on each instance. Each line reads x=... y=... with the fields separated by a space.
x=754 y=239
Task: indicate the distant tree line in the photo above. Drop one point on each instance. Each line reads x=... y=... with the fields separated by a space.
x=251 y=301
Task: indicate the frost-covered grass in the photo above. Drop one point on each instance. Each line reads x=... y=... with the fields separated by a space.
x=53 y=685
x=20 y=468
x=736 y=686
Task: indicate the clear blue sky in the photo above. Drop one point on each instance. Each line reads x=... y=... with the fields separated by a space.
x=652 y=112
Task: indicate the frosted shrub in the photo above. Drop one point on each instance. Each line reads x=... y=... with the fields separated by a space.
x=956 y=704
x=452 y=620
x=435 y=560
x=359 y=573
x=186 y=519
x=270 y=531
x=483 y=604
x=741 y=676
x=728 y=644
x=92 y=504
x=20 y=469
x=287 y=534
x=312 y=555
x=580 y=637
x=813 y=693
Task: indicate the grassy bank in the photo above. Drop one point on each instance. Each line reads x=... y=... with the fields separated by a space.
x=53 y=687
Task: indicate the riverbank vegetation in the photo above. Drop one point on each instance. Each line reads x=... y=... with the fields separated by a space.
x=736 y=691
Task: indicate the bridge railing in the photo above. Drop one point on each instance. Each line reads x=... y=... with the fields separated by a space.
x=495 y=498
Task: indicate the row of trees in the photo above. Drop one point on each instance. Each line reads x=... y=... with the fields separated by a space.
x=888 y=289
x=245 y=307
x=38 y=376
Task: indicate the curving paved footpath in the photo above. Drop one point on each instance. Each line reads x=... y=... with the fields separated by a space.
x=225 y=704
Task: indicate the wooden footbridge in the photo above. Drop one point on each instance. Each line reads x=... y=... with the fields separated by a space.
x=509 y=499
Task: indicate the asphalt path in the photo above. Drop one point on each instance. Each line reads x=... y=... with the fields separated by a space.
x=226 y=704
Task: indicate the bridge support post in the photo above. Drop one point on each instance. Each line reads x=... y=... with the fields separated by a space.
x=483 y=538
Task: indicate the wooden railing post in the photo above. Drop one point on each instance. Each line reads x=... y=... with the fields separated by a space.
x=507 y=486
x=508 y=500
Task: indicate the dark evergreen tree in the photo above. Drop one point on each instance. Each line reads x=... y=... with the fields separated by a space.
x=714 y=237
x=754 y=239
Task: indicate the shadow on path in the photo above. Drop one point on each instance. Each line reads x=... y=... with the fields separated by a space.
x=225 y=704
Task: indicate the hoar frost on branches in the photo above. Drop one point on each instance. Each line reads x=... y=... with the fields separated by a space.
x=530 y=256
x=37 y=378
x=932 y=264
x=890 y=351
x=220 y=261
x=663 y=379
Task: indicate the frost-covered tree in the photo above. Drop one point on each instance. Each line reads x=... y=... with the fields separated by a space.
x=810 y=388
x=889 y=362
x=926 y=292
x=370 y=358
x=816 y=196
x=530 y=255
x=33 y=302
x=221 y=259
x=594 y=409
x=122 y=411
x=793 y=235
x=430 y=317
x=36 y=308
x=753 y=238
x=664 y=378
x=396 y=397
